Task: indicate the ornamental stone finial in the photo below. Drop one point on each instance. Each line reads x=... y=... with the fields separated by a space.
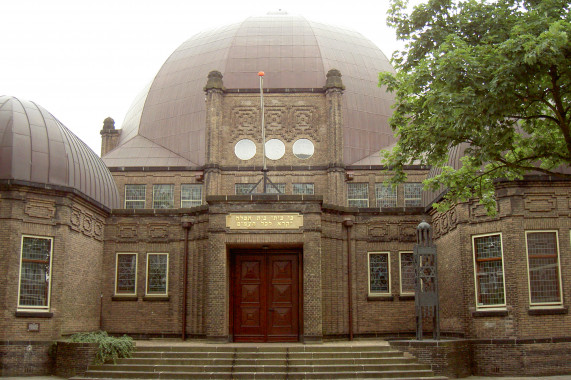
x=214 y=81
x=108 y=124
x=334 y=80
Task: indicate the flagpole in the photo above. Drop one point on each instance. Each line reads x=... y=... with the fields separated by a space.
x=264 y=169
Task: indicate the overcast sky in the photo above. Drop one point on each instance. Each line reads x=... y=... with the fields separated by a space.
x=86 y=60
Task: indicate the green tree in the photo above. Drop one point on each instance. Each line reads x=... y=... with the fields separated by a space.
x=492 y=77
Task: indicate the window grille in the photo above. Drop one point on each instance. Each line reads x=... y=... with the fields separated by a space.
x=489 y=270
x=135 y=196
x=272 y=190
x=303 y=188
x=386 y=195
x=358 y=195
x=379 y=276
x=190 y=195
x=543 y=266
x=412 y=194
x=35 y=272
x=126 y=273
x=157 y=273
x=245 y=188
x=406 y=272
x=163 y=196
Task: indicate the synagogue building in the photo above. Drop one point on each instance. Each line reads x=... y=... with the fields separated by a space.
x=196 y=223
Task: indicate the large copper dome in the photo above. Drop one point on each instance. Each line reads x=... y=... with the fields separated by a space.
x=168 y=117
x=37 y=150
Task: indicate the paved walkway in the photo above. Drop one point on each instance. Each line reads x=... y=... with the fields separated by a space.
x=566 y=377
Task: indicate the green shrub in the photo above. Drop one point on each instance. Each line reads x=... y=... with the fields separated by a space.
x=110 y=348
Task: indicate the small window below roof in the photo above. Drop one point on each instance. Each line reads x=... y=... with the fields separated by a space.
x=135 y=196
x=412 y=194
x=163 y=196
x=303 y=188
x=358 y=194
x=190 y=195
x=386 y=195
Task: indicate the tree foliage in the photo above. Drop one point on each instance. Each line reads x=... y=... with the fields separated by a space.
x=492 y=76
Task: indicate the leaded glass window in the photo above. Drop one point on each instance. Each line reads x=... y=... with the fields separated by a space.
x=126 y=273
x=358 y=195
x=135 y=196
x=386 y=195
x=278 y=189
x=35 y=272
x=245 y=188
x=489 y=270
x=190 y=195
x=379 y=273
x=157 y=273
x=412 y=194
x=303 y=188
x=163 y=196
x=543 y=266
x=406 y=272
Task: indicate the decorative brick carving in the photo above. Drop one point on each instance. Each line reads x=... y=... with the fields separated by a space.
x=477 y=211
x=540 y=202
x=159 y=231
x=453 y=214
x=276 y=120
x=407 y=231
x=128 y=231
x=379 y=232
x=305 y=123
x=86 y=223
x=436 y=227
x=247 y=123
x=444 y=223
x=39 y=208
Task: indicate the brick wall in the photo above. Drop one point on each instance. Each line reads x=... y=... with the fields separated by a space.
x=72 y=359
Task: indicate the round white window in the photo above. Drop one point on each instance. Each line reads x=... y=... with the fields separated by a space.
x=303 y=148
x=245 y=149
x=275 y=149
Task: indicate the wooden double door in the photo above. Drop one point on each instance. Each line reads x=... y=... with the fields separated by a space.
x=265 y=296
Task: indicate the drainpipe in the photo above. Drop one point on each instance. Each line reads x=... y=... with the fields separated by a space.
x=348 y=223
x=187 y=226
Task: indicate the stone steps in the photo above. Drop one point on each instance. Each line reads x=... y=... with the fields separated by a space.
x=331 y=361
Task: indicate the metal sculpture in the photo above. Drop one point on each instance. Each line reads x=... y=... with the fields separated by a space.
x=426 y=280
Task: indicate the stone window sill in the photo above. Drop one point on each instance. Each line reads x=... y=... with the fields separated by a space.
x=124 y=298
x=406 y=297
x=380 y=297
x=152 y=298
x=490 y=313
x=545 y=310
x=33 y=314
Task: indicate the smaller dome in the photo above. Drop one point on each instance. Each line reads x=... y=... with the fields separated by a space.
x=36 y=148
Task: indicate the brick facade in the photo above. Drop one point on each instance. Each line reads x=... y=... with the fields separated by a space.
x=335 y=241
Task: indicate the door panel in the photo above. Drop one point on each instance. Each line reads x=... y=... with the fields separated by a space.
x=282 y=298
x=265 y=297
x=250 y=298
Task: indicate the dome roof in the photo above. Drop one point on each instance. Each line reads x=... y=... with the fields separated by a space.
x=36 y=148
x=292 y=51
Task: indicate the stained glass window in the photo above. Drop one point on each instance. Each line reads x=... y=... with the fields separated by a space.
x=543 y=264
x=303 y=188
x=126 y=276
x=278 y=189
x=412 y=194
x=190 y=195
x=135 y=196
x=406 y=272
x=379 y=278
x=386 y=195
x=489 y=270
x=35 y=272
x=245 y=188
x=163 y=196
x=358 y=195
x=157 y=273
